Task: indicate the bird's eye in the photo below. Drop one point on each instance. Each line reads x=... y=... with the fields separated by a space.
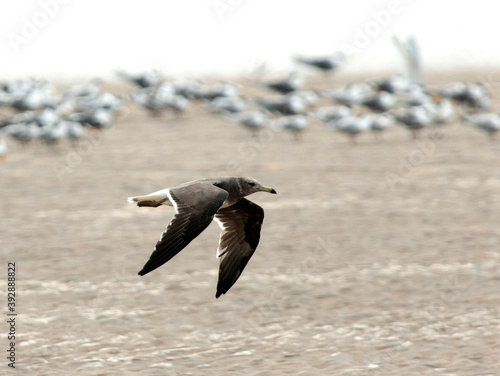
x=251 y=183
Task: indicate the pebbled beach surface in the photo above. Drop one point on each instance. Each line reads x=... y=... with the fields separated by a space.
x=376 y=259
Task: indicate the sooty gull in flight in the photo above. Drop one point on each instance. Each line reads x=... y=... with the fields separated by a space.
x=196 y=204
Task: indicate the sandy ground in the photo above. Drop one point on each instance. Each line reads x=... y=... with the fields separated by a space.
x=378 y=259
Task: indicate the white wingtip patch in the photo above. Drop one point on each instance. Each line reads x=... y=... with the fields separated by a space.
x=131 y=200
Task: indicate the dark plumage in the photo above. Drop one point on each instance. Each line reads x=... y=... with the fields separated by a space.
x=196 y=204
x=324 y=63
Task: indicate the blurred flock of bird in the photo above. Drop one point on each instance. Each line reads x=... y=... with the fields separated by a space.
x=32 y=110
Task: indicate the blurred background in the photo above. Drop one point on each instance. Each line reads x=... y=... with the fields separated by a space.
x=231 y=37
x=376 y=122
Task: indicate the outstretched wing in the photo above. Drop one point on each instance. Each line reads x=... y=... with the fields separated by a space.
x=241 y=224
x=195 y=208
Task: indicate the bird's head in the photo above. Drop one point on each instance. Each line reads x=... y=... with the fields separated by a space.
x=249 y=186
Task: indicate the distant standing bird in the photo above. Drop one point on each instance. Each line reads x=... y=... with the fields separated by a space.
x=253 y=121
x=32 y=100
x=414 y=118
x=89 y=89
x=295 y=124
x=292 y=83
x=328 y=114
x=23 y=132
x=393 y=84
x=3 y=148
x=379 y=123
x=220 y=90
x=289 y=105
x=178 y=104
x=351 y=95
x=196 y=204
x=143 y=80
x=417 y=95
x=227 y=104
x=442 y=110
x=487 y=122
x=473 y=95
x=98 y=118
x=352 y=126
x=379 y=101
x=74 y=130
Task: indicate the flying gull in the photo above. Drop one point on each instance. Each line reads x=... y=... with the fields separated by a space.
x=196 y=203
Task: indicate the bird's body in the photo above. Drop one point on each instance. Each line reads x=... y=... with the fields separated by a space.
x=325 y=63
x=379 y=123
x=144 y=80
x=473 y=95
x=352 y=126
x=253 y=121
x=414 y=118
x=379 y=101
x=294 y=124
x=284 y=86
x=227 y=105
x=487 y=122
x=196 y=204
x=161 y=97
x=4 y=150
x=287 y=105
x=329 y=114
x=351 y=95
x=23 y=132
x=393 y=85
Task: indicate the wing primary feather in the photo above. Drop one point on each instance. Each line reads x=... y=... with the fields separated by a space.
x=187 y=223
x=241 y=224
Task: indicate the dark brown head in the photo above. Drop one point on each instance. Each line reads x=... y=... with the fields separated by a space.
x=249 y=186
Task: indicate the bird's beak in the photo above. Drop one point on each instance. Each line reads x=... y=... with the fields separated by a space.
x=268 y=189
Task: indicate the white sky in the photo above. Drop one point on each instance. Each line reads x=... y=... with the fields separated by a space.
x=189 y=38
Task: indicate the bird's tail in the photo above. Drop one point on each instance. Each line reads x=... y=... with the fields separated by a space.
x=154 y=199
